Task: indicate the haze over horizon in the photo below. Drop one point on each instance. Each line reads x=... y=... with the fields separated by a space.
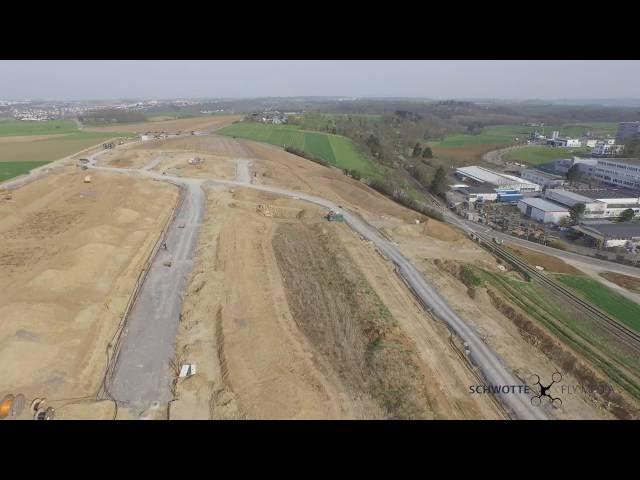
x=519 y=80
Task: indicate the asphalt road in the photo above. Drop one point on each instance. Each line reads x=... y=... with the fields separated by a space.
x=142 y=374
x=469 y=226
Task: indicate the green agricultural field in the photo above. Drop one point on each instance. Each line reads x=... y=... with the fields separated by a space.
x=20 y=156
x=536 y=155
x=607 y=300
x=507 y=134
x=13 y=169
x=337 y=150
x=49 y=149
x=50 y=127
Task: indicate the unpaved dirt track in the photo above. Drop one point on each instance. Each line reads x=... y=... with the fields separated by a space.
x=491 y=366
x=242 y=171
x=143 y=373
x=70 y=254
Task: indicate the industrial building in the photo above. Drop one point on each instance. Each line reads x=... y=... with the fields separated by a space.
x=543 y=179
x=501 y=181
x=605 y=149
x=599 y=203
x=585 y=165
x=543 y=210
x=608 y=235
x=623 y=172
x=480 y=193
x=627 y=130
x=564 y=142
x=618 y=172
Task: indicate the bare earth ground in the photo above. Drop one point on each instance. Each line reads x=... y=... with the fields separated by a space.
x=237 y=385
x=549 y=263
x=70 y=253
x=210 y=166
x=282 y=324
x=624 y=281
x=277 y=167
x=498 y=330
x=184 y=124
x=238 y=329
x=286 y=315
x=174 y=162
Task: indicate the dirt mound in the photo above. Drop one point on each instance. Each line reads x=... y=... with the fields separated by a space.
x=348 y=324
x=430 y=228
x=70 y=270
x=210 y=144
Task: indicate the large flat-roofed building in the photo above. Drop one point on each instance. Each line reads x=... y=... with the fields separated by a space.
x=543 y=179
x=622 y=172
x=543 y=210
x=618 y=172
x=501 y=181
x=611 y=234
x=627 y=129
x=479 y=193
x=599 y=203
x=567 y=198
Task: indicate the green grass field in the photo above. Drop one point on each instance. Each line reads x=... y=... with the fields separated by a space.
x=570 y=326
x=337 y=150
x=536 y=155
x=50 y=127
x=18 y=157
x=13 y=169
x=507 y=134
x=607 y=300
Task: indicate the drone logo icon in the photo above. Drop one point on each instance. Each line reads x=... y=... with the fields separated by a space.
x=543 y=396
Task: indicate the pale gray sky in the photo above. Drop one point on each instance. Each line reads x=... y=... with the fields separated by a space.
x=543 y=79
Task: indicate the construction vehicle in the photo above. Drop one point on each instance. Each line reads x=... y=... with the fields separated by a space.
x=334 y=216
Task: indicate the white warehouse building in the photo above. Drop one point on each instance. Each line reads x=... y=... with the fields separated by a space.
x=543 y=210
x=500 y=180
x=599 y=203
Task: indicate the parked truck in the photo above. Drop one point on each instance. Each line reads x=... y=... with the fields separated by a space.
x=334 y=216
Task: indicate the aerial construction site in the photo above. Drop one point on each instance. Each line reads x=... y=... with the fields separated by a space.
x=200 y=276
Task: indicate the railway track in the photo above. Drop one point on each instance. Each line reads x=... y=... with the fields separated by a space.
x=613 y=326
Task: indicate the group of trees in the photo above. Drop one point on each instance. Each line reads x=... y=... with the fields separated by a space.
x=389 y=188
x=418 y=151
